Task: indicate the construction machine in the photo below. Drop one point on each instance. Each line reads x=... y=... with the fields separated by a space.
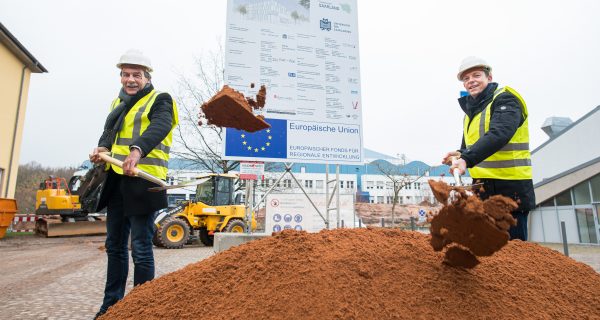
x=213 y=209
x=62 y=212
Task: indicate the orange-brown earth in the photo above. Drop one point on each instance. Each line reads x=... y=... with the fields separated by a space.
x=368 y=273
x=468 y=226
x=229 y=108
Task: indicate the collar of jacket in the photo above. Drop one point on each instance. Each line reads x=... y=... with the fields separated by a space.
x=132 y=100
x=473 y=106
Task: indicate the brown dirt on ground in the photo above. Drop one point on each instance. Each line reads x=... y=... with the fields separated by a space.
x=479 y=227
x=368 y=273
x=229 y=108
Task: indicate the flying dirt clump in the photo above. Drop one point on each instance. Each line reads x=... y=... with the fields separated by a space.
x=366 y=273
x=229 y=108
x=467 y=226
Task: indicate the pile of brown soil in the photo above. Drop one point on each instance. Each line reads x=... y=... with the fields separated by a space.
x=467 y=226
x=229 y=108
x=369 y=273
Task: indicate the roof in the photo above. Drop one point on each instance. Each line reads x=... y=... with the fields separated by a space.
x=565 y=173
x=370 y=154
x=19 y=51
x=567 y=129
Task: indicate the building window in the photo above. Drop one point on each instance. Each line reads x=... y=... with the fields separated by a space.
x=388 y=185
x=341 y=184
x=308 y=184
x=409 y=186
x=350 y=184
x=586 y=226
x=581 y=193
x=371 y=199
x=417 y=186
x=319 y=184
x=1 y=179
x=548 y=203
x=287 y=183
x=263 y=182
x=390 y=200
x=380 y=185
x=564 y=199
x=370 y=184
x=379 y=199
x=594 y=182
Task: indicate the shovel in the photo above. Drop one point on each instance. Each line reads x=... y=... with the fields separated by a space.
x=137 y=172
x=146 y=176
x=458 y=184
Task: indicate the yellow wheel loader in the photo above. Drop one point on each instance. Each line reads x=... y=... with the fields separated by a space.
x=214 y=209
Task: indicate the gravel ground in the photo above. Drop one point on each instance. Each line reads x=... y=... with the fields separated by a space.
x=63 y=278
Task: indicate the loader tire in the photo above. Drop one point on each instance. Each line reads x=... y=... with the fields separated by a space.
x=155 y=241
x=173 y=233
x=206 y=238
x=235 y=225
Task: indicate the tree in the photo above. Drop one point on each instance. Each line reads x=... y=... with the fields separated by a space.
x=195 y=141
x=305 y=4
x=399 y=180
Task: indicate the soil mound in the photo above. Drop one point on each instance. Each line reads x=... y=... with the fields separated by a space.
x=229 y=108
x=369 y=273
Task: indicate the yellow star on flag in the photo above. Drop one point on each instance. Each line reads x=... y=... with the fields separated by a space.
x=249 y=148
x=255 y=149
x=243 y=135
x=244 y=142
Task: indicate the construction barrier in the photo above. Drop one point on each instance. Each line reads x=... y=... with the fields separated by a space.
x=23 y=223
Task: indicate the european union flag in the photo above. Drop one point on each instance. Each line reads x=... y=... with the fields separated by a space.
x=266 y=143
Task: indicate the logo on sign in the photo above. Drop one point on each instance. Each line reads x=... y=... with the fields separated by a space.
x=274 y=203
x=277 y=217
x=325 y=24
x=287 y=218
x=276 y=228
x=298 y=227
x=298 y=218
x=291 y=74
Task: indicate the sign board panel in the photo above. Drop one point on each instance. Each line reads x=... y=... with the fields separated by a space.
x=250 y=170
x=306 y=54
x=294 y=211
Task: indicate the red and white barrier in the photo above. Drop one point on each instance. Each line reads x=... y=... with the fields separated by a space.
x=23 y=223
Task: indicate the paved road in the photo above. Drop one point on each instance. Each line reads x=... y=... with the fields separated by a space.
x=63 y=278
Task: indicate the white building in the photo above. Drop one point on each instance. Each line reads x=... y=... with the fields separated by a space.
x=566 y=177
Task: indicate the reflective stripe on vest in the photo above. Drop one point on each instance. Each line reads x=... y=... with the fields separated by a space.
x=513 y=161
x=135 y=123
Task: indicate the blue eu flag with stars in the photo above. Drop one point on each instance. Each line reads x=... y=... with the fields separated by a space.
x=266 y=143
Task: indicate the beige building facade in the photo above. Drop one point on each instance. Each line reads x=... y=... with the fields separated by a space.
x=16 y=67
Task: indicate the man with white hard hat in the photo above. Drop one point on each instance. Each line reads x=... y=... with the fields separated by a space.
x=495 y=144
x=138 y=131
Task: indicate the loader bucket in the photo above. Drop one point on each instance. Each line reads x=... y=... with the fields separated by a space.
x=8 y=209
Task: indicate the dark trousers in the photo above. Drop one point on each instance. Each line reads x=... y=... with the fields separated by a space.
x=520 y=230
x=118 y=228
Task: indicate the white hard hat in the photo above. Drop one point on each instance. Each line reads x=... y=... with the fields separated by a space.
x=136 y=57
x=470 y=63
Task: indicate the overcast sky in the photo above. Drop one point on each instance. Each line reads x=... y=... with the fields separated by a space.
x=409 y=55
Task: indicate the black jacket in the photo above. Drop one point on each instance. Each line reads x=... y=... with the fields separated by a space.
x=506 y=117
x=136 y=199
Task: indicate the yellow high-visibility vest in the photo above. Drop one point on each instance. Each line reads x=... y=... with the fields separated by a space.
x=134 y=124
x=513 y=161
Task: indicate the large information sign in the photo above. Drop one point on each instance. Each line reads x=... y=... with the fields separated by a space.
x=306 y=54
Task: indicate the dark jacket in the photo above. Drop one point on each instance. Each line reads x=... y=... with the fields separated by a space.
x=137 y=200
x=506 y=117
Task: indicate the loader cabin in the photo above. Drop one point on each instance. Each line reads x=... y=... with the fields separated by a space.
x=217 y=190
